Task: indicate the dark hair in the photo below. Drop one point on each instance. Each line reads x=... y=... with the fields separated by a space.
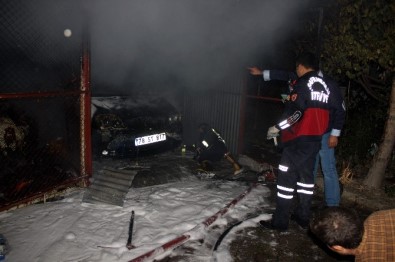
x=338 y=226
x=308 y=60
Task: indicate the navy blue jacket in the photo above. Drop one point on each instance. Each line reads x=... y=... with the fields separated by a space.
x=336 y=101
x=306 y=114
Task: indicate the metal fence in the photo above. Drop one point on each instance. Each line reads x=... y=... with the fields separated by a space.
x=221 y=107
x=241 y=109
x=44 y=100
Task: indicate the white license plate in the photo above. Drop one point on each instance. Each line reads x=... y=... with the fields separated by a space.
x=144 y=140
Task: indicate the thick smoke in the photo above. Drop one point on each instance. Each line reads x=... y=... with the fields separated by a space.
x=161 y=44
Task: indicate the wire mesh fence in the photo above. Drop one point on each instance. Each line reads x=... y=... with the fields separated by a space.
x=42 y=141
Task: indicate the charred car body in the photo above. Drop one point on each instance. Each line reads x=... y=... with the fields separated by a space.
x=134 y=126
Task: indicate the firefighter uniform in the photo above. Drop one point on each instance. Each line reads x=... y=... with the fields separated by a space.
x=337 y=119
x=305 y=120
x=338 y=108
x=211 y=147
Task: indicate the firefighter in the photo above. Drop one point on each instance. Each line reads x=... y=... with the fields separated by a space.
x=211 y=147
x=304 y=121
x=329 y=140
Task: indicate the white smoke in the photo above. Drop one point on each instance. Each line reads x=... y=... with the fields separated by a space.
x=145 y=44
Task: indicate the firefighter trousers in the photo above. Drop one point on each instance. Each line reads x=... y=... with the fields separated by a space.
x=295 y=178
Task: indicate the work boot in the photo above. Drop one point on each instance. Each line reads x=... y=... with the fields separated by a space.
x=304 y=225
x=268 y=224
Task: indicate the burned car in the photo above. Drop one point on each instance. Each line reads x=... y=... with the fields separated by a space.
x=132 y=126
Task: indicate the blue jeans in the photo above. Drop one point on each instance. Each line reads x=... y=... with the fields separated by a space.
x=328 y=166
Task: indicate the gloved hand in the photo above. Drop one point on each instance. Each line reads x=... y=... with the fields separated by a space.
x=272 y=132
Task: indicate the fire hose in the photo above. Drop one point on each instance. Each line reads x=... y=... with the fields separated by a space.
x=178 y=241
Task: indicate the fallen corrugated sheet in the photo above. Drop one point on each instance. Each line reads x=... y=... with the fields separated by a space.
x=110 y=187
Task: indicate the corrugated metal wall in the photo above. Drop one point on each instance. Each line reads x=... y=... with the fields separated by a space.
x=219 y=106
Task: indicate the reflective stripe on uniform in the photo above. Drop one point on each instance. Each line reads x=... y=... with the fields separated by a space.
x=283 y=188
x=283 y=168
x=266 y=75
x=305 y=185
x=283 y=125
x=285 y=192
x=284 y=196
x=306 y=192
x=306 y=189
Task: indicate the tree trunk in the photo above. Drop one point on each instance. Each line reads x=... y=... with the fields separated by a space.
x=376 y=172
